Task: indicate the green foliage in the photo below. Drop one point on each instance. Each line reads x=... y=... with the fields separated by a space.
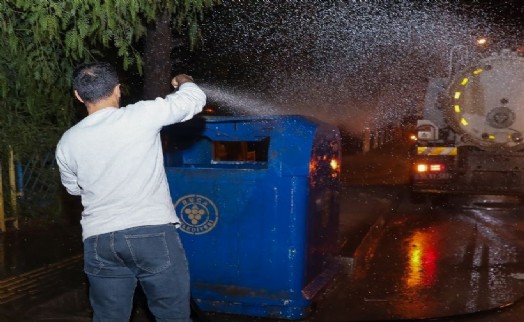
x=43 y=40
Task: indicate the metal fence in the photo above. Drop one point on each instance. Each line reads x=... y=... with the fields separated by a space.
x=28 y=188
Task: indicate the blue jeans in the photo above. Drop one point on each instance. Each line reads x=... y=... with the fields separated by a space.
x=151 y=255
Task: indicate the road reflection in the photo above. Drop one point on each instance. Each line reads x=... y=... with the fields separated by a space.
x=422 y=260
x=439 y=262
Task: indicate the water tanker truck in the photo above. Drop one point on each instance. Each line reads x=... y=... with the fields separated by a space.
x=471 y=135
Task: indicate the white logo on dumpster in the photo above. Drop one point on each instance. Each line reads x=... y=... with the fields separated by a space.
x=198 y=214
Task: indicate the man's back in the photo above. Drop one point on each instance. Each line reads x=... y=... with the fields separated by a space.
x=116 y=155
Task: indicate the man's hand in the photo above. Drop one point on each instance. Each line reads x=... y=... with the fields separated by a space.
x=181 y=79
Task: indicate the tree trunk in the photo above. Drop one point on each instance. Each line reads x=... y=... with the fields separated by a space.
x=157 y=58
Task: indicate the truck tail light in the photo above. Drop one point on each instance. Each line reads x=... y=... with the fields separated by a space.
x=430 y=167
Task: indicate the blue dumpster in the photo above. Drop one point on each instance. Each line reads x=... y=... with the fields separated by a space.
x=258 y=198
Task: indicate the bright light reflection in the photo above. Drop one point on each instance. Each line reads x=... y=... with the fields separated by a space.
x=422 y=260
x=334 y=164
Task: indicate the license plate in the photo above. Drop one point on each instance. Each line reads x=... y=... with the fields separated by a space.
x=433 y=176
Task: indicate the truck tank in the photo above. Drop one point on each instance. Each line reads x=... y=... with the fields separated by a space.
x=471 y=136
x=486 y=103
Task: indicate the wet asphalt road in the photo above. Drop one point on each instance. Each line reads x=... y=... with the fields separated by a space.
x=445 y=263
x=450 y=261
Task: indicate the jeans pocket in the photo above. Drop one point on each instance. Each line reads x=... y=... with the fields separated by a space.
x=149 y=251
x=92 y=263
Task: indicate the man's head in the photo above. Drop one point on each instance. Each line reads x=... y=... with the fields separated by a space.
x=93 y=82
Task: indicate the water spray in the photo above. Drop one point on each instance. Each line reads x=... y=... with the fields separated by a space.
x=237 y=102
x=358 y=63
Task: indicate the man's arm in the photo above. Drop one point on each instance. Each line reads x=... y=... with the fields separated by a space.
x=176 y=107
x=68 y=177
x=185 y=103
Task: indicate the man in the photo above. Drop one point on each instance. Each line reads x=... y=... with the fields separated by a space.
x=113 y=160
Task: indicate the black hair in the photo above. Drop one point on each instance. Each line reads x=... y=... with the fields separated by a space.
x=94 y=81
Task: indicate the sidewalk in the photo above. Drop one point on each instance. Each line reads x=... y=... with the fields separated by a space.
x=35 y=246
x=37 y=262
